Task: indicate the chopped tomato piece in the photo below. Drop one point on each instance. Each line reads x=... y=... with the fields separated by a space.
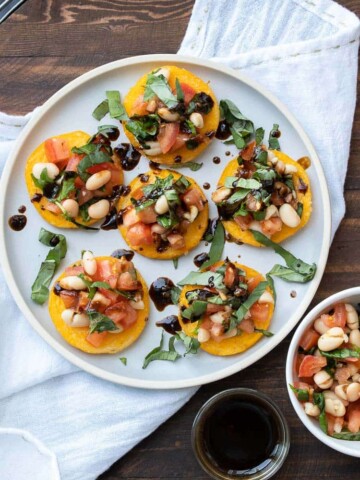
x=176 y=240
x=213 y=308
x=56 y=149
x=167 y=136
x=243 y=221
x=332 y=422
x=302 y=386
x=247 y=325
x=101 y=166
x=122 y=314
x=84 y=195
x=109 y=294
x=309 y=339
x=188 y=91
x=311 y=365
x=271 y=226
x=140 y=107
x=79 y=184
x=253 y=282
x=353 y=416
x=70 y=298
x=299 y=358
x=248 y=152
x=130 y=217
x=52 y=208
x=342 y=374
x=231 y=277
x=76 y=270
x=193 y=197
x=180 y=141
x=338 y=319
x=140 y=234
x=73 y=163
x=96 y=339
x=147 y=215
x=105 y=273
x=260 y=312
x=126 y=281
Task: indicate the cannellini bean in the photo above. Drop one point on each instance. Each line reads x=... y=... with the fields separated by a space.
x=271 y=211
x=272 y=157
x=203 y=335
x=89 y=263
x=289 y=216
x=354 y=337
x=197 y=119
x=151 y=106
x=335 y=407
x=100 y=300
x=167 y=115
x=353 y=392
x=352 y=368
x=311 y=409
x=68 y=315
x=356 y=377
x=323 y=379
x=164 y=72
x=80 y=320
x=231 y=333
x=191 y=216
x=161 y=205
x=280 y=167
x=119 y=329
x=51 y=169
x=352 y=318
x=290 y=169
x=137 y=305
x=71 y=206
x=159 y=229
x=255 y=225
x=332 y=339
x=220 y=194
x=217 y=317
x=153 y=148
x=320 y=326
x=99 y=209
x=98 y=180
x=266 y=297
x=72 y=282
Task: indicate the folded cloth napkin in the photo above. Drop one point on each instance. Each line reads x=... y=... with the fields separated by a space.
x=305 y=52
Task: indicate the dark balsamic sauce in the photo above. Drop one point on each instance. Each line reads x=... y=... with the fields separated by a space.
x=128 y=156
x=57 y=289
x=210 y=229
x=17 y=222
x=227 y=153
x=143 y=178
x=177 y=159
x=22 y=209
x=200 y=259
x=160 y=292
x=240 y=436
x=206 y=186
x=216 y=160
x=36 y=198
x=153 y=165
x=223 y=132
x=111 y=220
x=128 y=254
x=113 y=133
x=170 y=324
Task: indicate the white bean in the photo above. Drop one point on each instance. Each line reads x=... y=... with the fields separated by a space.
x=335 y=407
x=137 y=305
x=98 y=180
x=68 y=315
x=153 y=148
x=311 y=409
x=332 y=339
x=217 y=317
x=89 y=263
x=72 y=282
x=290 y=169
x=167 y=115
x=161 y=205
x=320 y=326
x=203 y=335
x=231 y=333
x=99 y=209
x=352 y=318
x=354 y=338
x=266 y=297
x=323 y=379
x=191 y=216
x=100 y=300
x=353 y=392
x=220 y=194
x=255 y=225
x=289 y=216
x=51 y=169
x=80 y=320
x=197 y=119
x=71 y=206
x=271 y=211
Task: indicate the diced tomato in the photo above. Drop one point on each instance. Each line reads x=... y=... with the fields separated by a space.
x=56 y=149
x=302 y=386
x=147 y=215
x=338 y=319
x=109 y=294
x=79 y=184
x=299 y=358
x=126 y=281
x=105 y=273
x=243 y=221
x=167 y=136
x=332 y=422
x=101 y=166
x=73 y=163
x=193 y=197
x=353 y=416
x=180 y=141
x=139 y=234
x=253 y=282
x=188 y=91
x=176 y=240
x=70 y=298
x=231 y=277
x=84 y=195
x=309 y=339
x=260 y=312
x=247 y=325
x=342 y=374
x=139 y=107
x=76 y=270
x=52 y=208
x=248 y=152
x=213 y=308
x=122 y=314
x=130 y=217
x=311 y=365
x=96 y=339
x=271 y=226
x=137 y=194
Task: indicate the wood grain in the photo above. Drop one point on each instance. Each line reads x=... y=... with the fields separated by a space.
x=47 y=43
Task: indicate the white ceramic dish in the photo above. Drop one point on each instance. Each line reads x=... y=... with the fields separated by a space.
x=21 y=253
x=352 y=295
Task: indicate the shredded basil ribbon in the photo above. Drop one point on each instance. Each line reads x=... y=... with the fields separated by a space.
x=158 y=353
x=249 y=302
x=194 y=166
x=301 y=393
x=100 y=322
x=40 y=287
x=217 y=246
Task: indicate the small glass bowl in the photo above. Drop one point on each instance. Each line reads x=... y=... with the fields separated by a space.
x=261 y=400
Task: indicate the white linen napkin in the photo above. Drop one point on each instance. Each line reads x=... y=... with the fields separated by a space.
x=303 y=51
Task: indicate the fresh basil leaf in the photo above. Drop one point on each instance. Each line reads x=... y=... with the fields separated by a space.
x=94 y=158
x=175 y=263
x=237 y=196
x=201 y=103
x=260 y=215
x=167 y=220
x=273 y=137
x=237 y=138
x=172 y=197
x=195 y=310
x=85 y=149
x=40 y=287
x=107 y=130
x=272 y=286
x=261 y=158
x=259 y=135
x=263 y=174
x=93 y=286
x=101 y=110
x=182 y=184
x=194 y=166
x=179 y=91
x=139 y=207
x=287 y=274
x=300 y=209
x=231 y=112
x=353 y=437
x=249 y=183
x=319 y=400
x=203 y=278
x=191 y=344
x=249 y=302
x=116 y=109
x=296 y=264
x=266 y=333
x=342 y=353
x=67 y=186
x=217 y=246
x=158 y=85
x=158 y=353
x=84 y=212
x=242 y=211
x=144 y=127
x=123 y=360
x=100 y=322
x=301 y=393
x=43 y=180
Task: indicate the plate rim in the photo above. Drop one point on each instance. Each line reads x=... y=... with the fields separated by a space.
x=272 y=342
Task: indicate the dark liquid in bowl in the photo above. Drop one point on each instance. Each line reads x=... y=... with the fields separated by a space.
x=239 y=436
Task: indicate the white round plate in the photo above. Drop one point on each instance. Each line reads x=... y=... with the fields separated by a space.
x=21 y=253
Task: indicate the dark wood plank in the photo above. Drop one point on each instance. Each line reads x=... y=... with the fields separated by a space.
x=47 y=43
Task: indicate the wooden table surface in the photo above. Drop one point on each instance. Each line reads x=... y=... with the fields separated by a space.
x=47 y=43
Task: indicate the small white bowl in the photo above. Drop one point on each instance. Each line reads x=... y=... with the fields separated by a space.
x=352 y=295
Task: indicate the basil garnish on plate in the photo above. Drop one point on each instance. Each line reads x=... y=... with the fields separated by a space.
x=40 y=287
x=100 y=323
x=217 y=246
x=111 y=105
x=241 y=127
x=194 y=166
x=157 y=85
x=273 y=137
x=159 y=353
